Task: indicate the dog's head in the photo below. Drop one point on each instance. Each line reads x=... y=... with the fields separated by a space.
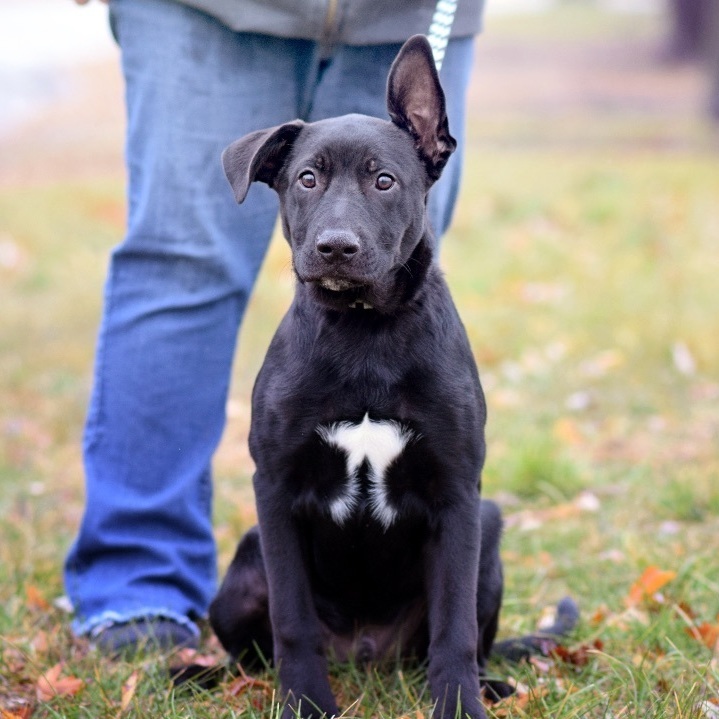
x=353 y=189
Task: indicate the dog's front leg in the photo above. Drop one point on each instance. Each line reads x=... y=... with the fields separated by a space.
x=298 y=650
x=452 y=561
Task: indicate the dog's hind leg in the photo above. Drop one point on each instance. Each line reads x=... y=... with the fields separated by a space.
x=239 y=613
x=490 y=583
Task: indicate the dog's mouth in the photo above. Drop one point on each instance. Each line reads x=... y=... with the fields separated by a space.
x=334 y=284
x=341 y=292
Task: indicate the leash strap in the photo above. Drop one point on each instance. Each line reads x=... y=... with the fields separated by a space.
x=440 y=29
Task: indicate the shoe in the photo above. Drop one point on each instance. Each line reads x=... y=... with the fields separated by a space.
x=144 y=635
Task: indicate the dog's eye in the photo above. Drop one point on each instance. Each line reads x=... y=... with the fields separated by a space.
x=384 y=182
x=307 y=179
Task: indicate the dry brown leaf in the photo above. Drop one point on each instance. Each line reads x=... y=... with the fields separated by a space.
x=35 y=599
x=533 y=519
x=567 y=431
x=517 y=702
x=128 y=691
x=51 y=684
x=600 y=615
x=19 y=713
x=245 y=683
x=706 y=633
x=577 y=656
x=650 y=582
x=40 y=643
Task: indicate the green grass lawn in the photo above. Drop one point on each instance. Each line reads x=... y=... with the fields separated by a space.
x=587 y=280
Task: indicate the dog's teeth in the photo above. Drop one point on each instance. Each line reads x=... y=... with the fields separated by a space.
x=334 y=285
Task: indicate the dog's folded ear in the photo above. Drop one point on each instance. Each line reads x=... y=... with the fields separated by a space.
x=258 y=156
x=415 y=101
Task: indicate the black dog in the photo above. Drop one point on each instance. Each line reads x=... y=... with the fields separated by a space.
x=368 y=417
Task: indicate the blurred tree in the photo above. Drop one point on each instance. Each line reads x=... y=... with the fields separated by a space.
x=694 y=35
x=687 y=20
x=712 y=49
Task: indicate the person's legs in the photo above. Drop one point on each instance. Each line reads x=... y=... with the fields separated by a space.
x=178 y=286
x=354 y=80
x=176 y=291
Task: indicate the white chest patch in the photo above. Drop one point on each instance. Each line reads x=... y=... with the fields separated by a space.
x=379 y=442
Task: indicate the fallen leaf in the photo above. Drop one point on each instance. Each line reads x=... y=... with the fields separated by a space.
x=35 y=600
x=600 y=615
x=577 y=656
x=51 y=684
x=706 y=633
x=40 y=643
x=245 y=683
x=528 y=519
x=417 y=715
x=203 y=669
x=128 y=691
x=686 y=611
x=19 y=713
x=517 y=702
x=646 y=587
x=567 y=431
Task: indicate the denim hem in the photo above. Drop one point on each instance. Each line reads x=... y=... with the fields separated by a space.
x=94 y=626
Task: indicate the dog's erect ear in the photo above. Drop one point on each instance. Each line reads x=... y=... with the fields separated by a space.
x=415 y=101
x=258 y=156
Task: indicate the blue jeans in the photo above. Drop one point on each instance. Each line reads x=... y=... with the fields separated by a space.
x=179 y=283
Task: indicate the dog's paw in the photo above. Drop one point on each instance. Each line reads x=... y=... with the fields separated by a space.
x=494 y=690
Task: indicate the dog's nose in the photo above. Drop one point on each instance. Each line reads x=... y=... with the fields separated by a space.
x=337 y=245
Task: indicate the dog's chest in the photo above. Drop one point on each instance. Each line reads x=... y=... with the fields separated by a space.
x=365 y=474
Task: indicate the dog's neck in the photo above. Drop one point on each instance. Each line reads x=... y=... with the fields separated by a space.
x=412 y=274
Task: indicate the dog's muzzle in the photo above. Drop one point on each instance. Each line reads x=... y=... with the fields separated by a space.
x=336 y=284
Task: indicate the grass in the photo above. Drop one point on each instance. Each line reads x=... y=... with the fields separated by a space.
x=587 y=281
